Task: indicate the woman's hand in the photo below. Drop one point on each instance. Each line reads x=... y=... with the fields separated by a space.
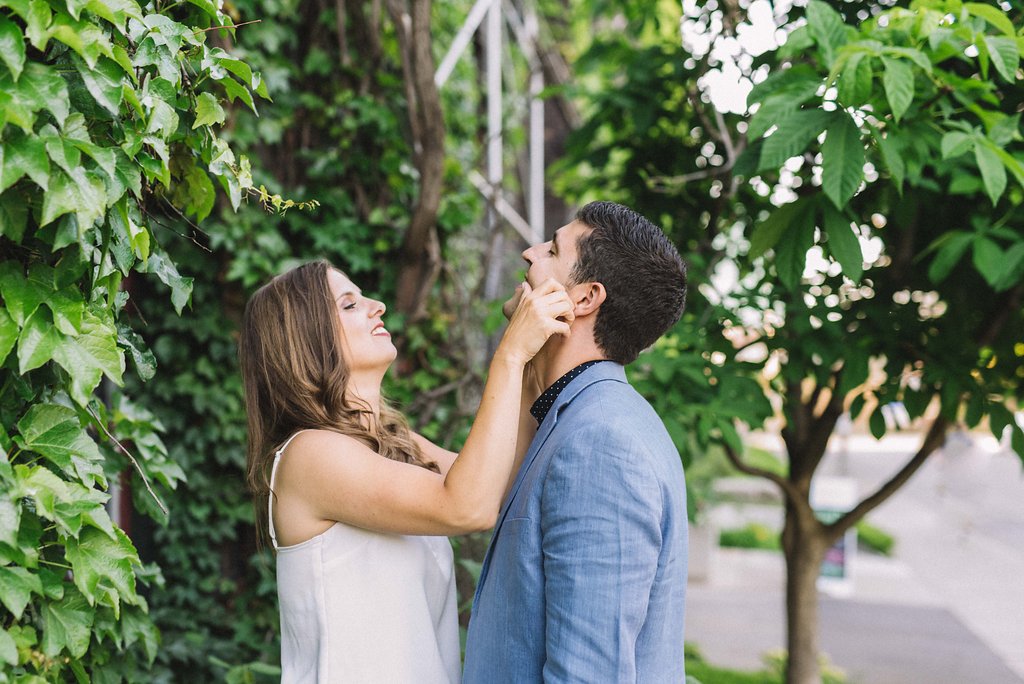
x=540 y=314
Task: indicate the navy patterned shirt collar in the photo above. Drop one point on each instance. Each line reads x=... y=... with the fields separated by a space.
x=545 y=401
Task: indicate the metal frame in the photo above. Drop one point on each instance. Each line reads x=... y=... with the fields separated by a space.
x=525 y=30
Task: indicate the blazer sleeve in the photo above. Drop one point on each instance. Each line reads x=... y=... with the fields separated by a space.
x=601 y=541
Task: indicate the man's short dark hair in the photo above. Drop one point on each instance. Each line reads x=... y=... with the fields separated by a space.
x=642 y=273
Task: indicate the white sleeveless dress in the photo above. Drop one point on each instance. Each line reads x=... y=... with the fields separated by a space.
x=365 y=607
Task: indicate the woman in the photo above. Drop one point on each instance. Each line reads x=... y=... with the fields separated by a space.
x=351 y=492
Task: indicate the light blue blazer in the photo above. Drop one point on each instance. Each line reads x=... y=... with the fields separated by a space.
x=585 y=576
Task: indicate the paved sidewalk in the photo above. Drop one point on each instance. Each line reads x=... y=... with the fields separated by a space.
x=947 y=608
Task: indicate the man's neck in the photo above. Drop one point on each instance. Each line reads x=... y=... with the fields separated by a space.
x=560 y=355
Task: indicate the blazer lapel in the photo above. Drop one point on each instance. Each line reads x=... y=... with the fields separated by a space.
x=597 y=373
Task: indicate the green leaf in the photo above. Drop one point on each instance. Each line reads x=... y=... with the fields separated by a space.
x=854 y=82
x=8 y=334
x=90 y=356
x=97 y=558
x=827 y=29
x=196 y=193
x=891 y=155
x=843 y=243
x=16 y=588
x=37 y=22
x=236 y=91
x=12 y=46
x=41 y=87
x=84 y=37
x=1005 y=56
x=54 y=432
x=117 y=12
x=992 y=15
x=145 y=361
x=955 y=143
x=44 y=488
x=988 y=259
x=38 y=341
x=61 y=198
x=792 y=137
x=104 y=82
x=998 y=418
x=21 y=156
x=208 y=111
x=950 y=249
x=67 y=308
x=67 y=626
x=181 y=287
x=842 y=160
x=797 y=84
x=993 y=173
x=898 y=80
x=13 y=216
x=23 y=295
x=791 y=253
x=8 y=649
x=767 y=234
x=877 y=423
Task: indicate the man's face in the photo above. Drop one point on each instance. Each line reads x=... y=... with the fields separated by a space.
x=555 y=258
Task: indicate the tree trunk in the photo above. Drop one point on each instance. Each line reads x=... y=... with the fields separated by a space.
x=804 y=546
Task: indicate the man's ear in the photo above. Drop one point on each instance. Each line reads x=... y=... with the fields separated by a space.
x=588 y=298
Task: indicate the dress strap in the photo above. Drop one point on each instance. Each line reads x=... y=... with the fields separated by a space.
x=270 y=495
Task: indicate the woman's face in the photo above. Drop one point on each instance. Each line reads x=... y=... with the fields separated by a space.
x=367 y=344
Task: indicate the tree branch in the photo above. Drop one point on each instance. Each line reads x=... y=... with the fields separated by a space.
x=933 y=439
x=787 y=487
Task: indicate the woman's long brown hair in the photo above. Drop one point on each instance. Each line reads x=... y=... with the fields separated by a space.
x=295 y=377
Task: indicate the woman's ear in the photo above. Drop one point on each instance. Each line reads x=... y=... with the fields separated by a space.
x=588 y=298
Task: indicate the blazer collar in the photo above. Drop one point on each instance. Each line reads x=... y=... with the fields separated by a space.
x=605 y=370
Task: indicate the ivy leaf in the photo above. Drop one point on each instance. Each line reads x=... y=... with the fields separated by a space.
x=23 y=295
x=181 y=287
x=208 y=111
x=13 y=216
x=137 y=628
x=37 y=22
x=792 y=137
x=61 y=198
x=842 y=160
x=12 y=46
x=104 y=82
x=41 y=87
x=67 y=626
x=67 y=308
x=16 y=588
x=38 y=341
x=898 y=80
x=236 y=91
x=89 y=357
x=877 y=423
x=43 y=487
x=196 y=193
x=993 y=173
x=8 y=649
x=843 y=243
x=8 y=334
x=54 y=432
x=21 y=156
x=1005 y=56
x=96 y=558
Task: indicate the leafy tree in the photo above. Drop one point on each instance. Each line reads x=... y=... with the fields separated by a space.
x=878 y=259
x=108 y=118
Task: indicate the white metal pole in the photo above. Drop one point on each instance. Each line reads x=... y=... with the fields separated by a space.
x=535 y=194
x=462 y=38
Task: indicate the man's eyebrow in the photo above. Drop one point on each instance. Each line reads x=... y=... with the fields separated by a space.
x=554 y=239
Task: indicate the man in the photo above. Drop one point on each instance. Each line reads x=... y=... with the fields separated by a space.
x=585 y=577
